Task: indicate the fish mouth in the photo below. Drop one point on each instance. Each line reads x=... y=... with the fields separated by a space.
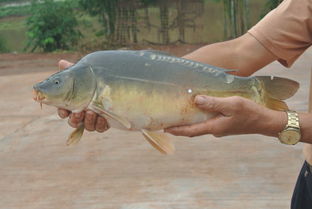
x=38 y=96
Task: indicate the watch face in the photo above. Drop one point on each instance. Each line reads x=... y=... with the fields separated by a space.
x=290 y=136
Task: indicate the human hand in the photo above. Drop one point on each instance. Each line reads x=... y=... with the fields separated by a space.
x=237 y=115
x=91 y=120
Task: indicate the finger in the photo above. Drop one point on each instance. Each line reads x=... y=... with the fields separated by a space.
x=216 y=126
x=190 y=131
x=101 y=124
x=77 y=118
x=63 y=64
x=224 y=106
x=63 y=113
x=74 y=125
x=90 y=120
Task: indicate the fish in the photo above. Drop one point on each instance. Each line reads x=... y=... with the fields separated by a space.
x=148 y=91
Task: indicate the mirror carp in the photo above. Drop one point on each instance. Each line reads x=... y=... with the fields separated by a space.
x=148 y=91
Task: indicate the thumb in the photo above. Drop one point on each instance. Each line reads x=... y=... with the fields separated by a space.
x=214 y=104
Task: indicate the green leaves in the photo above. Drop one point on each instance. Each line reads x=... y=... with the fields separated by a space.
x=14 y=11
x=270 y=5
x=3 y=47
x=52 y=26
x=105 y=10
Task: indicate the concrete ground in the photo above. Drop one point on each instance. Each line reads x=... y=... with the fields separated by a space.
x=119 y=170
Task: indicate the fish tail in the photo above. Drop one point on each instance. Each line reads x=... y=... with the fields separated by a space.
x=276 y=90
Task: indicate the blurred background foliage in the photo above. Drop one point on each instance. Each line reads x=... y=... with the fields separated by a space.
x=50 y=25
x=3 y=47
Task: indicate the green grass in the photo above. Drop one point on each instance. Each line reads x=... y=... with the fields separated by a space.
x=15 y=23
x=13 y=1
x=3 y=45
x=13 y=32
x=14 y=11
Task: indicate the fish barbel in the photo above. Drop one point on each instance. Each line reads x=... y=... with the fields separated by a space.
x=148 y=91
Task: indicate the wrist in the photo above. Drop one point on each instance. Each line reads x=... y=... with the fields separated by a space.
x=305 y=120
x=274 y=123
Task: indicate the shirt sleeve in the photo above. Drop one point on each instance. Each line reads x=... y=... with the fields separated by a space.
x=286 y=31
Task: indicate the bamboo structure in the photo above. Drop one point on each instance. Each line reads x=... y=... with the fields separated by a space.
x=164 y=22
x=124 y=20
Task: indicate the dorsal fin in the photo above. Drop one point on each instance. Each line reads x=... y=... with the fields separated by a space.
x=156 y=52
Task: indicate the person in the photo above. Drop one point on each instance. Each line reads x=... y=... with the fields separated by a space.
x=283 y=35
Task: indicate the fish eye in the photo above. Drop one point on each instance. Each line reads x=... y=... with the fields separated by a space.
x=56 y=82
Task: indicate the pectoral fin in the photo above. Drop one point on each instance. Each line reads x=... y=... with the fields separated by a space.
x=124 y=122
x=76 y=135
x=160 y=141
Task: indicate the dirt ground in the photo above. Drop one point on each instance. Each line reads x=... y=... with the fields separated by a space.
x=119 y=169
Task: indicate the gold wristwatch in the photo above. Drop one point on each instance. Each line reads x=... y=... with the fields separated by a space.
x=291 y=134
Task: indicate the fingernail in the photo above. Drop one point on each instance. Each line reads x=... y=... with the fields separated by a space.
x=61 y=114
x=200 y=100
x=77 y=115
x=89 y=115
x=169 y=130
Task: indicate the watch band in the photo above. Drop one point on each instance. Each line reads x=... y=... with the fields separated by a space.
x=291 y=134
x=293 y=119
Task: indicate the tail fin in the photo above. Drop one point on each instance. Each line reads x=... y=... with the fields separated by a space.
x=276 y=90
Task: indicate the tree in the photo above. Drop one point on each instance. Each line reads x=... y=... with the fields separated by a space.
x=118 y=17
x=236 y=16
x=270 y=5
x=52 y=26
x=106 y=11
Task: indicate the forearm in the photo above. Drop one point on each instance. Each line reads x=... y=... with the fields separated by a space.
x=217 y=54
x=305 y=120
x=245 y=54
